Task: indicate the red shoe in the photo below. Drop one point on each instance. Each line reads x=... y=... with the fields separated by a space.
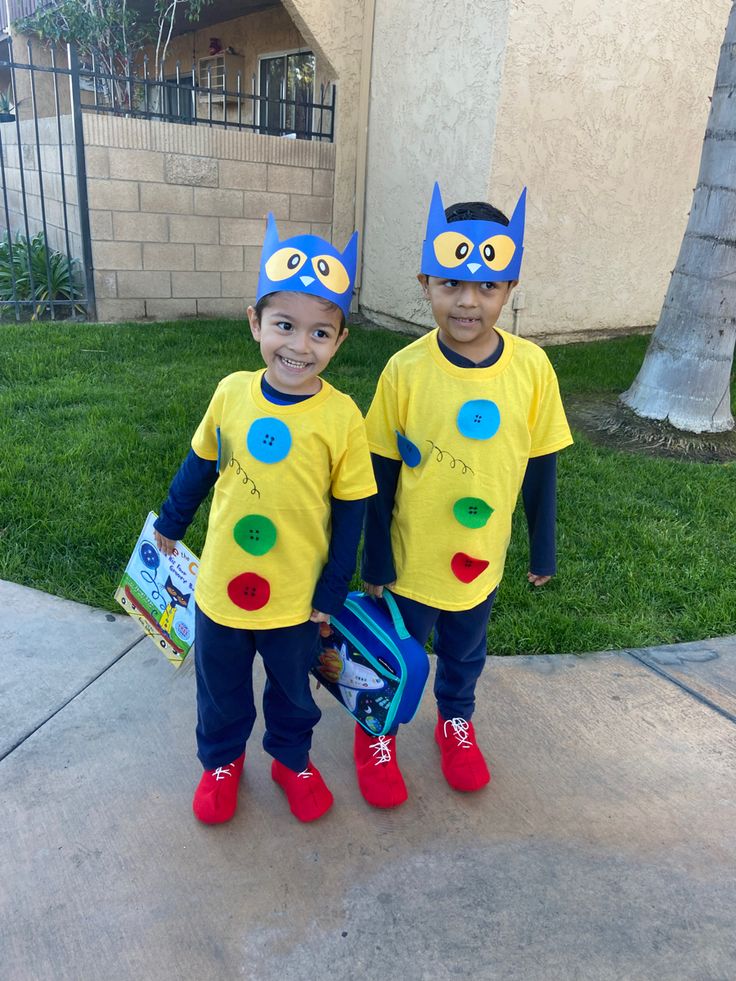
x=463 y=764
x=307 y=793
x=379 y=776
x=216 y=796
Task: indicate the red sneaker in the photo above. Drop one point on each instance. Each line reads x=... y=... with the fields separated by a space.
x=307 y=793
x=463 y=764
x=379 y=776
x=216 y=796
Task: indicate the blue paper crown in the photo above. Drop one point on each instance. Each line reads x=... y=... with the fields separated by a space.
x=473 y=250
x=307 y=264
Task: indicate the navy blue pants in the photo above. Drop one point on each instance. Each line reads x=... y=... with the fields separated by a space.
x=226 y=709
x=460 y=645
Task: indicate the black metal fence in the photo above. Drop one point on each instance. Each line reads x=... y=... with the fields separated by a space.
x=45 y=248
x=213 y=97
x=45 y=242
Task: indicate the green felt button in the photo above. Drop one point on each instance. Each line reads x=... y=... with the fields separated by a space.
x=472 y=512
x=255 y=533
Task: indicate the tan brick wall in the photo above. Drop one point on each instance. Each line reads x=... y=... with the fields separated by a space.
x=178 y=213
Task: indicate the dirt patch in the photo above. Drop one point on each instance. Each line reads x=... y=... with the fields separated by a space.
x=609 y=423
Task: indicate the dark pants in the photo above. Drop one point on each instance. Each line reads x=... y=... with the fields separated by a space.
x=460 y=644
x=226 y=709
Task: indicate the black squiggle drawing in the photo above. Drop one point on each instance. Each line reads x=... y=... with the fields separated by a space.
x=441 y=454
x=246 y=479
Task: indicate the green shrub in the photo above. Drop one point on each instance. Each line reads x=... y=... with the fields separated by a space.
x=33 y=274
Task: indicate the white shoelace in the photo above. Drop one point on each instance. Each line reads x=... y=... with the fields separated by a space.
x=381 y=750
x=460 y=728
x=222 y=771
x=305 y=773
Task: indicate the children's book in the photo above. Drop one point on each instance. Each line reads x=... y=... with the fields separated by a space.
x=158 y=590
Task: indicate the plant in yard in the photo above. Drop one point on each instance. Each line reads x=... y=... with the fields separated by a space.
x=6 y=100
x=105 y=31
x=35 y=275
x=166 y=11
x=108 y=32
x=7 y=105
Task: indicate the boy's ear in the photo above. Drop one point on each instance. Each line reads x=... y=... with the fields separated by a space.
x=255 y=324
x=423 y=282
x=511 y=286
x=341 y=338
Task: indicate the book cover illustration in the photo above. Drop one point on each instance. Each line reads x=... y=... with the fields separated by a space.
x=158 y=590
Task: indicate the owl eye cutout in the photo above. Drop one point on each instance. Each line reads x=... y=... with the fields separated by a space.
x=331 y=273
x=284 y=263
x=452 y=249
x=497 y=251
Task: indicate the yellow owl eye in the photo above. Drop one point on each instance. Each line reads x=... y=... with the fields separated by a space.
x=452 y=249
x=284 y=263
x=497 y=251
x=331 y=273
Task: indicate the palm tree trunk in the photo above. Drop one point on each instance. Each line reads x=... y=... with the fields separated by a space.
x=686 y=374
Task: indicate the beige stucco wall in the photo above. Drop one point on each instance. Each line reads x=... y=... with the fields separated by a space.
x=177 y=213
x=598 y=108
x=435 y=89
x=602 y=115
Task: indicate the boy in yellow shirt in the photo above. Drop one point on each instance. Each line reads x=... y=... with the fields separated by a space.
x=288 y=457
x=462 y=420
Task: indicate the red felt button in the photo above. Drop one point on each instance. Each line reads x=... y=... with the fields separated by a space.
x=466 y=568
x=249 y=591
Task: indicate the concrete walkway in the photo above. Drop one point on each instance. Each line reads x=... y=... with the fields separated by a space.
x=604 y=848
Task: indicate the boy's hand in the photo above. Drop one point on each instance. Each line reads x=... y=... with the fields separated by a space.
x=371 y=590
x=165 y=545
x=536 y=580
x=316 y=616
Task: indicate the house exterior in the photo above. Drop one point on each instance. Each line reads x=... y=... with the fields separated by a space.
x=598 y=109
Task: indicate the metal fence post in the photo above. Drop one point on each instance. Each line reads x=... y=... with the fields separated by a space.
x=82 y=198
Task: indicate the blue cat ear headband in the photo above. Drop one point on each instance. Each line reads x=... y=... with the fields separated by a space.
x=307 y=264
x=473 y=251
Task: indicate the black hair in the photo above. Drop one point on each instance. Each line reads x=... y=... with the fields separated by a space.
x=264 y=302
x=475 y=211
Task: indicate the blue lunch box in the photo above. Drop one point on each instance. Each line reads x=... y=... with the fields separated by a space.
x=371 y=664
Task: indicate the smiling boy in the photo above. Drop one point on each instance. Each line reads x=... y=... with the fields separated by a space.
x=462 y=420
x=298 y=336
x=288 y=458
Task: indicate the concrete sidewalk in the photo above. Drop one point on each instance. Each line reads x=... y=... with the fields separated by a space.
x=604 y=847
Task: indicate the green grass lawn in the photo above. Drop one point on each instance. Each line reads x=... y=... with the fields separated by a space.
x=94 y=421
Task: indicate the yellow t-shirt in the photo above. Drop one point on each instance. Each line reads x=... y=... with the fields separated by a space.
x=465 y=437
x=269 y=527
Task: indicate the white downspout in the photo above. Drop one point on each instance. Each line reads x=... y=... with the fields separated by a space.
x=361 y=165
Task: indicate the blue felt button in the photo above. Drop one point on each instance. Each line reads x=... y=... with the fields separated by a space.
x=409 y=451
x=269 y=440
x=479 y=419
